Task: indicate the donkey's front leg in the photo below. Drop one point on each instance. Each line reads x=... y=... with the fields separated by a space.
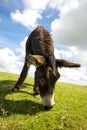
x=21 y=78
x=36 y=87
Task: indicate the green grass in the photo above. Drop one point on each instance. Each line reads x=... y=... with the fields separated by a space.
x=22 y=111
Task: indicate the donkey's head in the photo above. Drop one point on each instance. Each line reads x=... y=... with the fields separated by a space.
x=46 y=80
x=46 y=77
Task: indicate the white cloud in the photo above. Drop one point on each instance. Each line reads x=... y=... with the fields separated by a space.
x=31 y=13
x=71 y=28
x=76 y=76
x=28 y=17
x=9 y=61
x=64 y=6
x=79 y=55
x=40 y=5
x=72 y=75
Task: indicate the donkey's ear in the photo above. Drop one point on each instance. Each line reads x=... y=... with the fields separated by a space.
x=36 y=60
x=64 y=63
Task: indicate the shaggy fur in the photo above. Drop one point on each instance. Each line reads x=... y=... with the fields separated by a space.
x=39 y=42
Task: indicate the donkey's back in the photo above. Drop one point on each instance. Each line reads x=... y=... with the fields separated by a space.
x=40 y=42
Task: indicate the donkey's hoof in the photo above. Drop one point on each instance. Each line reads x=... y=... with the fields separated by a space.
x=36 y=94
x=14 y=90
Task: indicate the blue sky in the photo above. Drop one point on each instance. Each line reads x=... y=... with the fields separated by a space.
x=65 y=20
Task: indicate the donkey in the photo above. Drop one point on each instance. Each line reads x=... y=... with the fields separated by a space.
x=40 y=52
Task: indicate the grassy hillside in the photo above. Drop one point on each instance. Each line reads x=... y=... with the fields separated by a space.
x=22 y=111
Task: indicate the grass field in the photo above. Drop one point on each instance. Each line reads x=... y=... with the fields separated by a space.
x=22 y=111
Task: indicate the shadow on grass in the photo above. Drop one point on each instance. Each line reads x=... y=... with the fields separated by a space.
x=19 y=106
x=7 y=85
